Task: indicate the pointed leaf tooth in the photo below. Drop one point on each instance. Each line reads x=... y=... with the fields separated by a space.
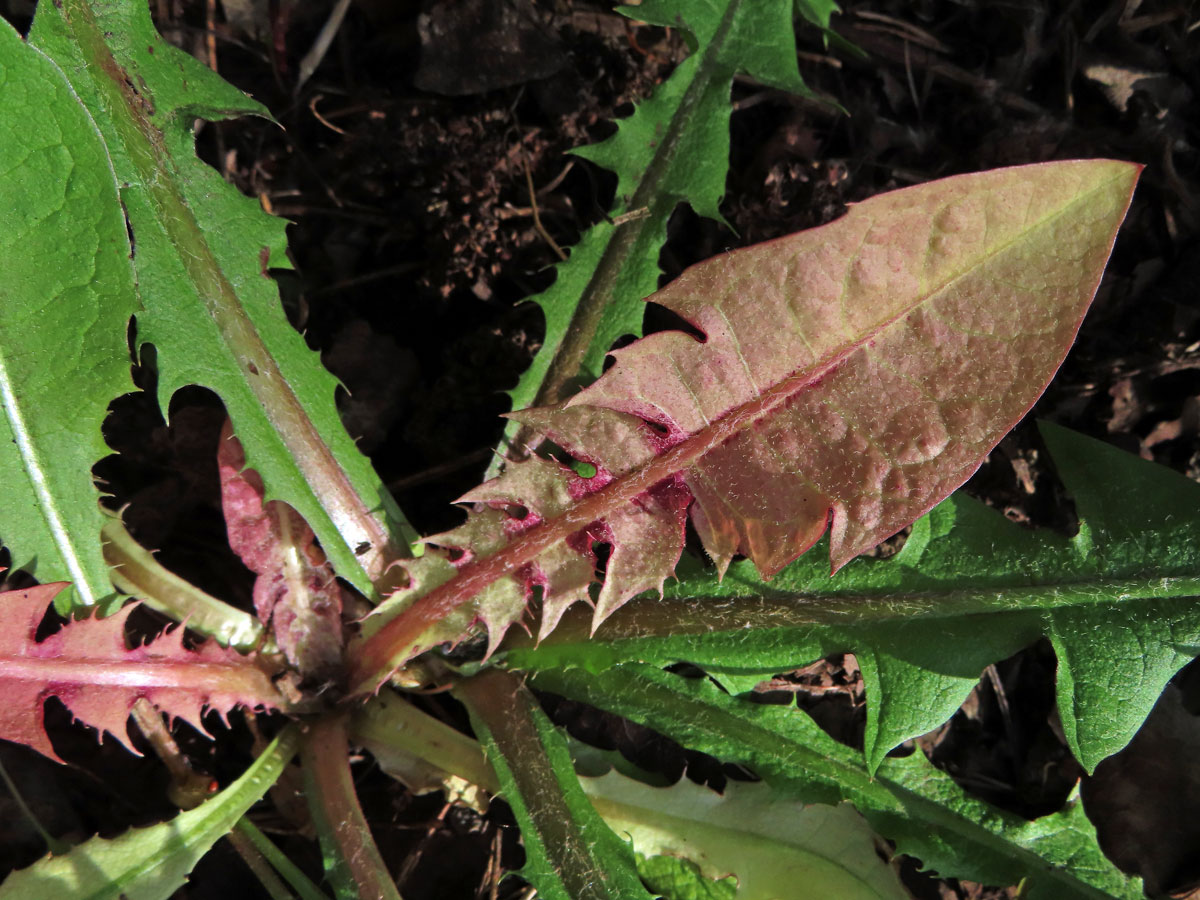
x=499 y=619
x=565 y=574
x=483 y=533
x=615 y=441
x=552 y=614
x=21 y=713
x=425 y=573
x=497 y=607
x=719 y=538
x=647 y=538
x=73 y=640
x=541 y=485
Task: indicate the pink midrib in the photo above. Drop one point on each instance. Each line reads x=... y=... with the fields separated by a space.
x=399 y=639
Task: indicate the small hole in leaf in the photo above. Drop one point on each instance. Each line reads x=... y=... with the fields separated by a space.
x=516 y=511
x=584 y=469
x=603 y=552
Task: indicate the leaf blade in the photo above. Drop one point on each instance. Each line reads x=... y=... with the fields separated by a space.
x=202 y=256
x=902 y=299
x=571 y=854
x=88 y=667
x=908 y=801
x=673 y=149
x=768 y=843
x=819 y=412
x=968 y=589
x=67 y=294
x=151 y=863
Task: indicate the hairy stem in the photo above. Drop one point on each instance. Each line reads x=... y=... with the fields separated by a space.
x=135 y=571
x=345 y=835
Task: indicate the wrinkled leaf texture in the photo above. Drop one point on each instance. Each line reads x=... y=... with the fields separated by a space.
x=88 y=667
x=848 y=377
x=295 y=592
x=907 y=800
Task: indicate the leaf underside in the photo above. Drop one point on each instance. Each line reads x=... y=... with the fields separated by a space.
x=848 y=377
x=907 y=800
x=768 y=842
x=88 y=667
x=295 y=592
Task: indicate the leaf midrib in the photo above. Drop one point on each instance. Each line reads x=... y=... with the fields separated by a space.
x=848 y=781
x=400 y=639
x=35 y=470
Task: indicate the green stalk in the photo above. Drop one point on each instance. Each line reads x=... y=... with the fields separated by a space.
x=258 y=864
x=247 y=831
x=135 y=571
x=570 y=853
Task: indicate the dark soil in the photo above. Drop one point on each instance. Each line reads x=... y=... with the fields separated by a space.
x=405 y=163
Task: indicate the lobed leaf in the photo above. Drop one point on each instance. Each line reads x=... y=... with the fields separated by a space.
x=88 y=667
x=202 y=258
x=848 y=377
x=66 y=290
x=853 y=375
x=969 y=588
